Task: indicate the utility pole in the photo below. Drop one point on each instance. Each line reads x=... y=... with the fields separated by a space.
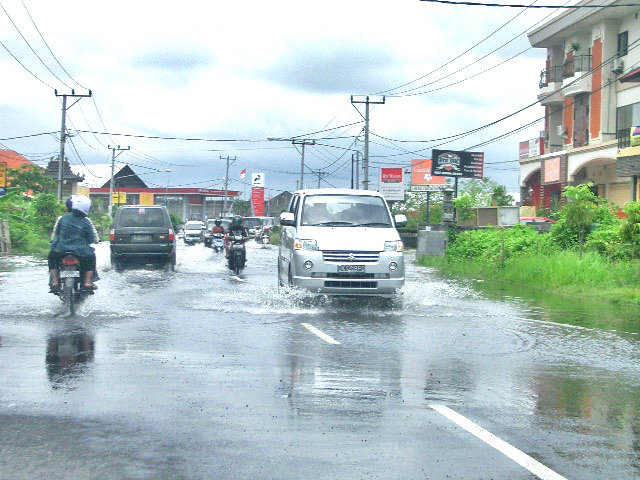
x=352 y=155
x=63 y=135
x=113 y=164
x=226 y=181
x=320 y=175
x=303 y=142
x=367 y=102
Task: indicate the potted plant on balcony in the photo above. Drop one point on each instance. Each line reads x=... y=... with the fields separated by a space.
x=575 y=47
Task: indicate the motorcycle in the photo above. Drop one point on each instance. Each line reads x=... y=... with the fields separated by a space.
x=71 y=288
x=217 y=242
x=262 y=237
x=237 y=253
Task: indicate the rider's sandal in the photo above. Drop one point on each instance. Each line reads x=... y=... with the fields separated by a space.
x=54 y=288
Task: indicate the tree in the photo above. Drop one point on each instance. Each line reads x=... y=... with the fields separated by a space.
x=31 y=178
x=500 y=197
x=482 y=192
x=581 y=209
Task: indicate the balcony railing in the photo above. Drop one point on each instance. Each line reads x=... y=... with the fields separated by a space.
x=551 y=75
x=579 y=63
x=624 y=139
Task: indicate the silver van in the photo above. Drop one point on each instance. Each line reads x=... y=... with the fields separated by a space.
x=341 y=242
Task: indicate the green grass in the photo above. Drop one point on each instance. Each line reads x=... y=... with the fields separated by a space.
x=563 y=273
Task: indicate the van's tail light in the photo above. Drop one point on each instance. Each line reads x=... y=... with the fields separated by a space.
x=172 y=237
x=69 y=260
x=112 y=236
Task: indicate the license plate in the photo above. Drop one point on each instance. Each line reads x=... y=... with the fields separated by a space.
x=351 y=268
x=141 y=238
x=69 y=273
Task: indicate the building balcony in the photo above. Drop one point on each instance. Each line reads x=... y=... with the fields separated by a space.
x=550 y=84
x=577 y=75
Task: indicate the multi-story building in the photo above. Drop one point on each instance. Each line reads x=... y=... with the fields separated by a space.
x=590 y=91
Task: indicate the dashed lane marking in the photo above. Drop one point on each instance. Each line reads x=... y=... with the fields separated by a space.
x=319 y=333
x=510 y=451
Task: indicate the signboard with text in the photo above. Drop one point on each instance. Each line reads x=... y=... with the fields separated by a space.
x=257 y=194
x=119 y=198
x=3 y=178
x=453 y=163
x=421 y=178
x=147 y=198
x=531 y=148
x=391 y=184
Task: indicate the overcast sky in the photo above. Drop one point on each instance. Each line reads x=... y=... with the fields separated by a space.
x=254 y=69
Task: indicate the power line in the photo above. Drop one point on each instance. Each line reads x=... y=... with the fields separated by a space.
x=23 y=66
x=515 y=5
x=29 y=45
x=50 y=51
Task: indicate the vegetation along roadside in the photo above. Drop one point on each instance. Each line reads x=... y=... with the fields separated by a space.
x=589 y=253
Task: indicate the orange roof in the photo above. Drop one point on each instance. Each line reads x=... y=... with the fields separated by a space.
x=13 y=159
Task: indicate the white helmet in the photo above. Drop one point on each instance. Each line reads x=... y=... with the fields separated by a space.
x=81 y=203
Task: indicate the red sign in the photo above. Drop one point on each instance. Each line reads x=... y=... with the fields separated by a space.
x=391 y=175
x=257 y=201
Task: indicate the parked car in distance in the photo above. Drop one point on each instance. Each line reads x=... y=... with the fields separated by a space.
x=341 y=242
x=193 y=231
x=144 y=234
x=536 y=220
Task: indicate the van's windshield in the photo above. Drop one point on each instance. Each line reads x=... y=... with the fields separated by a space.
x=345 y=211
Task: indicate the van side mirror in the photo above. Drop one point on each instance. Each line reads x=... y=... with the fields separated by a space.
x=400 y=220
x=287 y=219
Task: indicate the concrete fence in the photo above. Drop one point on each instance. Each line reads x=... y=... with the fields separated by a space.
x=5 y=238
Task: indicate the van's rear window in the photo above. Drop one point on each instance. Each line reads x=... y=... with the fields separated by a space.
x=141 y=217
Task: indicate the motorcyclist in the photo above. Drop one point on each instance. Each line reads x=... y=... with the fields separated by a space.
x=236 y=228
x=74 y=233
x=217 y=228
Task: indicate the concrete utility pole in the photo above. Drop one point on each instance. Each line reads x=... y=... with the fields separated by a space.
x=303 y=142
x=63 y=135
x=113 y=164
x=226 y=181
x=367 y=102
x=320 y=175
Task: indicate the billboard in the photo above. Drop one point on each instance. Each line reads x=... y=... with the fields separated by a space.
x=391 y=183
x=257 y=194
x=421 y=178
x=453 y=163
x=531 y=148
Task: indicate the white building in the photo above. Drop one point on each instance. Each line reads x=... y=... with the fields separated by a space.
x=590 y=91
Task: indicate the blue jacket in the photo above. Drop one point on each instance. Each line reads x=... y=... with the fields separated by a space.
x=73 y=233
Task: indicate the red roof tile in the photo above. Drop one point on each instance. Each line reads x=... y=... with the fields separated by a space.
x=13 y=159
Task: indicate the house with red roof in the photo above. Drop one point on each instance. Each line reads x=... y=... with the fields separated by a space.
x=14 y=159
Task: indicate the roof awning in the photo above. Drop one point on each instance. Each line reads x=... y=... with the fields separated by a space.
x=632 y=76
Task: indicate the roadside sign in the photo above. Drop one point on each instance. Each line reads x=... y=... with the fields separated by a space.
x=119 y=198
x=422 y=180
x=427 y=188
x=3 y=178
x=391 y=183
x=454 y=163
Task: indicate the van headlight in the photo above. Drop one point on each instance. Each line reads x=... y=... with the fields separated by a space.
x=394 y=246
x=305 y=245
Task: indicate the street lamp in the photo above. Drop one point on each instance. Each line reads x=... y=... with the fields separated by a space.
x=166 y=191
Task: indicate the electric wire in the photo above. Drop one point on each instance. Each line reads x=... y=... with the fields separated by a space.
x=23 y=66
x=30 y=47
x=516 y=5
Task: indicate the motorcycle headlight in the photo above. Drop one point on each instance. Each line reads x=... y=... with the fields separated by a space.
x=305 y=245
x=393 y=246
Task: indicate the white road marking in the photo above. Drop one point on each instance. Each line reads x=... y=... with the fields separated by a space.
x=319 y=333
x=510 y=451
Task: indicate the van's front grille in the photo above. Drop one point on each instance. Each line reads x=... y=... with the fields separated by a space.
x=342 y=256
x=349 y=284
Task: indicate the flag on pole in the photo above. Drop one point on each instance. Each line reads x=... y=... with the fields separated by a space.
x=243 y=173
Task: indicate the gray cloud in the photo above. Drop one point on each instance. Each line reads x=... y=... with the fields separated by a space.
x=340 y=67
x=176 y=58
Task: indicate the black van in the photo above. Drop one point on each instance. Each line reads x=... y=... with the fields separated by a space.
x=143 y=234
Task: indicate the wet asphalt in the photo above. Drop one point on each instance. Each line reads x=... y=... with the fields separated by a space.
x=198 y=374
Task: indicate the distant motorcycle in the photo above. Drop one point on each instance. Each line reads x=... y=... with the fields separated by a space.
x=217 y=242
x=262 y=237
x=237 y=253
x=71 y=291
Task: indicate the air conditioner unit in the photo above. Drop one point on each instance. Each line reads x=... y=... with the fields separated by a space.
x=562 y=132
x=618 y=66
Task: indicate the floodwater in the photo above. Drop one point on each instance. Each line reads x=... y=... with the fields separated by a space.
x=199 y=374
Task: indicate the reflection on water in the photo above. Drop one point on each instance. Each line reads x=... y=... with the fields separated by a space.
x=68 y=356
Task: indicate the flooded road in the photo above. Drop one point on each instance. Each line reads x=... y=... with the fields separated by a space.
x=198 y=374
